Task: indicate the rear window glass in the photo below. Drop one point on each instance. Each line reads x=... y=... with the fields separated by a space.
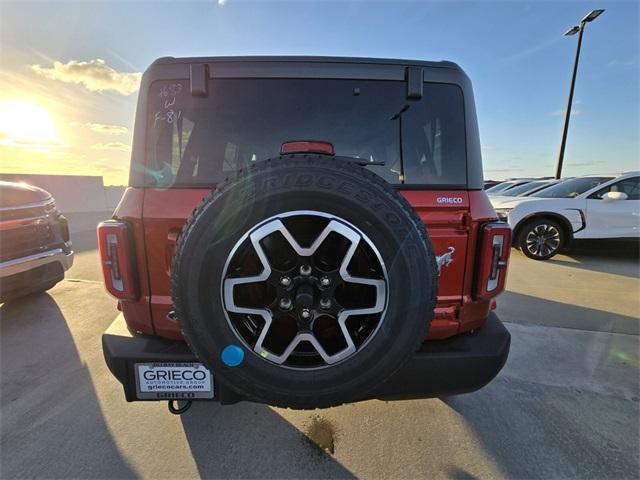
x=200 y=141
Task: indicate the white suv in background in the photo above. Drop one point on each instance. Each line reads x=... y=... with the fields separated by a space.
x=589 y=207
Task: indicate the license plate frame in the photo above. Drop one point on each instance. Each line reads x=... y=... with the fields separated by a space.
x=173 y=381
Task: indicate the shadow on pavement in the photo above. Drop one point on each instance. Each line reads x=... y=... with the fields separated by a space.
x=566 y=404
x=531 y=310
x=537 y=431
x=458 y=473
x=606 y=256
x=48 y=402
x=250 y=440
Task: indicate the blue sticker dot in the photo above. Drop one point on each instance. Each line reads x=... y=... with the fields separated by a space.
x=232 y=355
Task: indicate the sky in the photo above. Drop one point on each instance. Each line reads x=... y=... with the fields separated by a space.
x=69 y=72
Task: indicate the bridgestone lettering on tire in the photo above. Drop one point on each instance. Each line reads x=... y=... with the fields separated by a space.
x=317 y=268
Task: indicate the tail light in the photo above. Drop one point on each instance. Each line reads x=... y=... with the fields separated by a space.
x=494 y=257
x=116 y=255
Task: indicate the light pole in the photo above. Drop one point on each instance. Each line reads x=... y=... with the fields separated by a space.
x=590 y=17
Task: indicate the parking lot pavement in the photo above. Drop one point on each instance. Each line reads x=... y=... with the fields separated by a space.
x=566 y=404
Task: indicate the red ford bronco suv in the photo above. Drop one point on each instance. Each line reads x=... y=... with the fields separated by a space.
x=304 y=232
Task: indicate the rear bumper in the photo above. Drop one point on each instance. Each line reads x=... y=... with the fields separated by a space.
x=460 y=364
x=446 y=367
x=122 y=350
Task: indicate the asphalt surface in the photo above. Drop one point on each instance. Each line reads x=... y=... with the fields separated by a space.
x=565 y=405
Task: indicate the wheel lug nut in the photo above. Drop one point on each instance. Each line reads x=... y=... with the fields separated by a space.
x=325 y=303
x=305 y=313
x=285 y=281
x=285 y=303
x=305 y=270
x=325 y=281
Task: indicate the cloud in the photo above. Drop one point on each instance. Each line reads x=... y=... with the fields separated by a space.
x=102 y=128
x=581 y=164
x=222 y=2
x=95 y=75
x=622 y=63
x=533 y=50
x=574 y=112
x=122 y=59
x=45 y=146
x=123 y=147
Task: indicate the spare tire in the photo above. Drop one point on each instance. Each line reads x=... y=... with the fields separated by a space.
x=306 y=282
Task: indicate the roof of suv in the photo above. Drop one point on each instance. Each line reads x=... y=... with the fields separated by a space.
x=199 y=71
x=307 y=59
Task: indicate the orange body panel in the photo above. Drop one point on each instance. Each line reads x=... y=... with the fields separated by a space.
x=452 y=219
x=137 y=312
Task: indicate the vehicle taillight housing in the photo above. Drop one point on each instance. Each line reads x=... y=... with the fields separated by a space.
x=495 y=245
x=116 y=256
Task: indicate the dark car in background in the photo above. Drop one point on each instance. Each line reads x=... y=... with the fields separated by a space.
x=526 y=189
x=491 y=183
x=35 y=249
x=506 y=185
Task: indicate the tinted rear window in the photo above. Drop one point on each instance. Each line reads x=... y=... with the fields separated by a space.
x=200 y=141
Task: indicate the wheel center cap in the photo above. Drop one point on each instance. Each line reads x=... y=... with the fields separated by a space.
x=304 y=298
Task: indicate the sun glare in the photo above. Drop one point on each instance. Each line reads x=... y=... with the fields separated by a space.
x=26 y=123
